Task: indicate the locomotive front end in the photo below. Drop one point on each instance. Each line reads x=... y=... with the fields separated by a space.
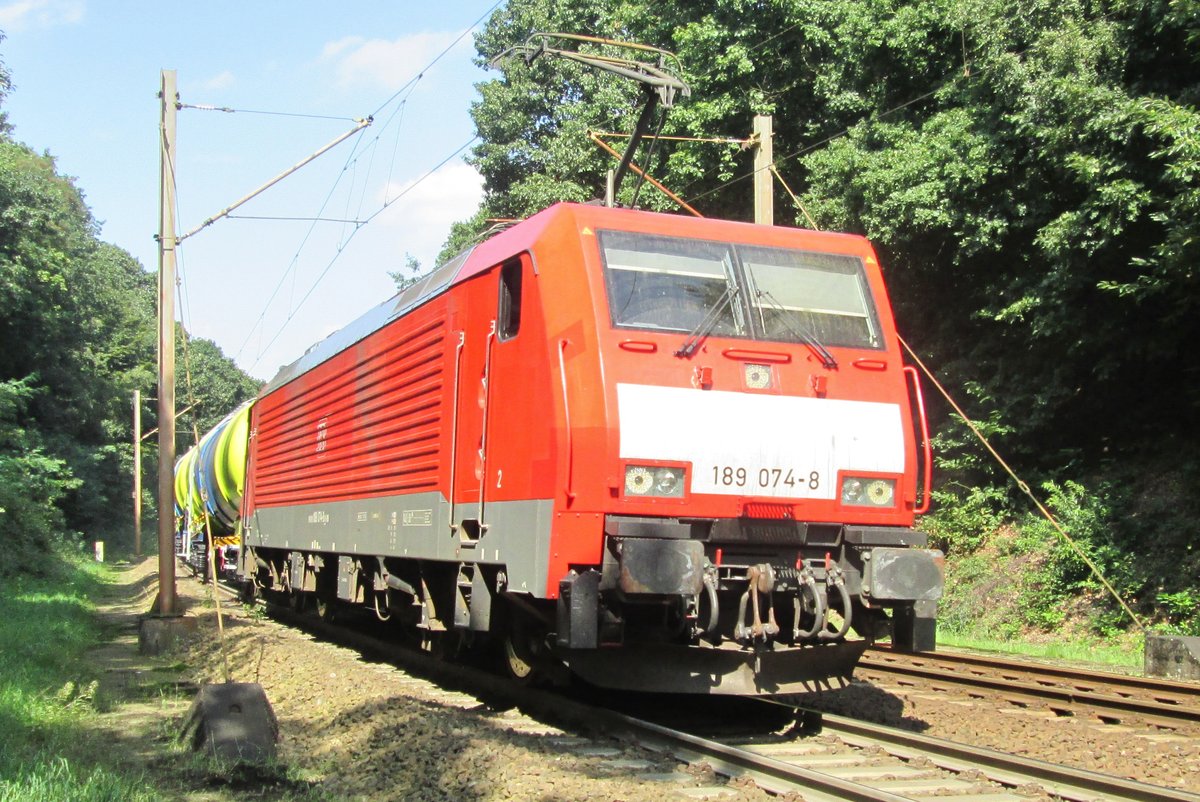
x=766 y=465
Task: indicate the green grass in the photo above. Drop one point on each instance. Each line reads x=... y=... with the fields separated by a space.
x=55 y=779
x=46 y=696
x=1109 y=654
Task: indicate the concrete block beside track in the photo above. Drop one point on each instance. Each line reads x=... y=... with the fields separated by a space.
x=1173 y=656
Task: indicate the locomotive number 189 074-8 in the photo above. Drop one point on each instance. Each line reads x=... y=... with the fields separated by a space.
x=764 y=478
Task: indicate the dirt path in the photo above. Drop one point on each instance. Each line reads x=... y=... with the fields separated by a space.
x=352 y=729
x=142 y=698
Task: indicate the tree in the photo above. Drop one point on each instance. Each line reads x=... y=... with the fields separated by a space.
x=211 y=383
x=80 y=335
x=78 y=332
x=409 y=275
x=32 y=483
x=1030 y=179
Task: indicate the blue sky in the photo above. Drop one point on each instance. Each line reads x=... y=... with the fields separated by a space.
x=86 y=74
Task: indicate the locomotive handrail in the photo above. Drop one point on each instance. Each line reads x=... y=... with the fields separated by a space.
x=926 y=447
x=483 y=437
x=462 y=338
x=562 y=374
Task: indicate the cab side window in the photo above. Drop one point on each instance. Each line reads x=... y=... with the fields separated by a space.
x=508 y=318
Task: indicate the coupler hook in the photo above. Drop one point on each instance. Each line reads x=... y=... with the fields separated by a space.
x=808 y=586
x=760 y=581
x=835 y=578
x=714 y=609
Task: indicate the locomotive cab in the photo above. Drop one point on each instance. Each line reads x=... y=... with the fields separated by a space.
x=762 y=473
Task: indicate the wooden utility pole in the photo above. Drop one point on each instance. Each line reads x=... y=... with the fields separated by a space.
x=764 y=197
x=166 y=349
x=137 y=473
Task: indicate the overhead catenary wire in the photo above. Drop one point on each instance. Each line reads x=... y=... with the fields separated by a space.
x=354 y=221
x=292 y=219
x=723 y=140
x=228 y=110
x=439 y=56
x=295 y=259
x=350 y=162
x=342 y=246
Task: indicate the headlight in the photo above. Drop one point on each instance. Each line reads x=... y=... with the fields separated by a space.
x=758 y=377
x=638 y=480
x=666 y=481
x=649 y=480
x=863 y=492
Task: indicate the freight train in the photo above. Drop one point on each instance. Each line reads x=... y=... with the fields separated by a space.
x=659 y=453
x=209 y=484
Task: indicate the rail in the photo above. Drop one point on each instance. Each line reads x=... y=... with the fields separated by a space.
x=1160 y=701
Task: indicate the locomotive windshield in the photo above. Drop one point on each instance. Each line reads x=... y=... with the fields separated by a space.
x=668 y=283
x=796 y=295
x=788 y=295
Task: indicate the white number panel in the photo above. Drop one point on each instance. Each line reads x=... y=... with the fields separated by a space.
x=759 y=445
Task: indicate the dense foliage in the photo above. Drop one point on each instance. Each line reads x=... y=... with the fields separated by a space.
x=79 y=335
x=1030 y=173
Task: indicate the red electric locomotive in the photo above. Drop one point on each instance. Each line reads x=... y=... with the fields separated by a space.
x=670 y=454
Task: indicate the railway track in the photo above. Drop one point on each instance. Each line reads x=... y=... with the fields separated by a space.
x=858 y=761
x=826 y=758
x=1104 y=697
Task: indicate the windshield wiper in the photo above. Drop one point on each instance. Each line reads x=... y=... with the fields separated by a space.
x=827 y=360
x=692 y=343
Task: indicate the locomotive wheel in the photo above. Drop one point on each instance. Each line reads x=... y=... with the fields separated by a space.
x=518 y=658
x=441 y=644
x=326 y=609
x=297 y=601
x=247 y=591
x=432 y=644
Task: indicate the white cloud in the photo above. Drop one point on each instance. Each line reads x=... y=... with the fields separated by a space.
x=422 y=213
x=222 y=80
x=331 y=49
x=383 y=63
x=448 y=195
x=26 y=14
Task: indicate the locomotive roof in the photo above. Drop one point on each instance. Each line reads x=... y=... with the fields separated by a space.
x=479 y=258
